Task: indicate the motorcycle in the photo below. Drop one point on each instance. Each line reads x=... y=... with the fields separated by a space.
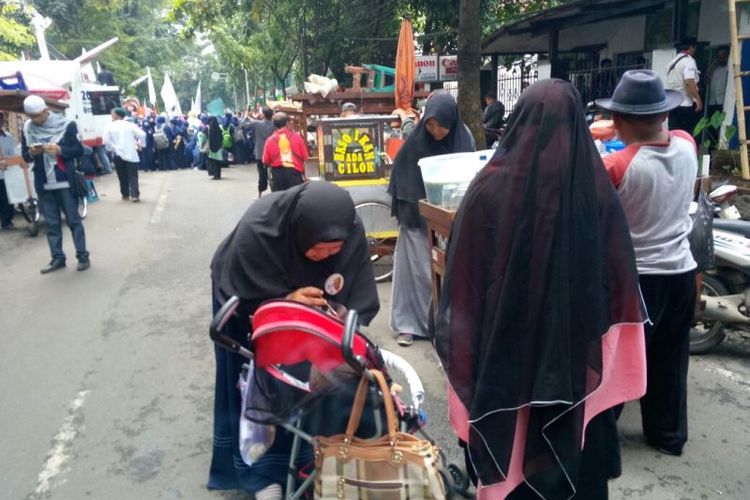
x=725 y=294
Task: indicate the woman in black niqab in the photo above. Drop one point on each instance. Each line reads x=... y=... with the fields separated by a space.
x=411 y=275
x=283 y=246
x=539 y=325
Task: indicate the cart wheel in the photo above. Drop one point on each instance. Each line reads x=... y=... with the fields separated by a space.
x=381 y=230
x=450 y=490
x=83 y=207
x=460 y=480
x=33 y=229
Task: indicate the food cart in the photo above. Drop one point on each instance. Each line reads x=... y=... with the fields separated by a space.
x=351 y=152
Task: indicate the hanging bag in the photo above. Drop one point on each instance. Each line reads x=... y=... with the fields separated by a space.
x=701 y=237
x=396 y=465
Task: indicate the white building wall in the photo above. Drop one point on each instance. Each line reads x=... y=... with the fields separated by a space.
x=713 y=26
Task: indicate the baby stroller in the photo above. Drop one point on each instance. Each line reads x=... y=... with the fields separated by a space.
x=303 y=368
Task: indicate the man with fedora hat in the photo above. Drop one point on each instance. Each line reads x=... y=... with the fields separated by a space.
x=654 y=177
x=683 y=76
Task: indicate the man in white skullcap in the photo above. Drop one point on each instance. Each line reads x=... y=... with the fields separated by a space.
x=51 y=142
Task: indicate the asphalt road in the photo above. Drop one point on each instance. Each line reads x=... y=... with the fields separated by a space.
x=107 y=375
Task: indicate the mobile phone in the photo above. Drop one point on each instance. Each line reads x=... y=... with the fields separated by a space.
x=37 y=145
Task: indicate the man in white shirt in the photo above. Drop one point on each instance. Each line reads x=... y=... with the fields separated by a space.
x=717 y=81
x=122 y=138
x=683 y=76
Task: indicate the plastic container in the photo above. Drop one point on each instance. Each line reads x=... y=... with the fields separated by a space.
x=443 y=175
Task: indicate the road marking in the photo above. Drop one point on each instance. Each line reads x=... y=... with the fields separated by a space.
x=159 y=210
x=57 y=457
x=730 y=375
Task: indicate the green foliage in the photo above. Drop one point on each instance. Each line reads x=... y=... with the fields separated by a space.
x=15 y=34
x=147 y=38
x=715 y=122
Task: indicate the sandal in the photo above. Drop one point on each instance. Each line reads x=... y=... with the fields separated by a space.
x=405 y=339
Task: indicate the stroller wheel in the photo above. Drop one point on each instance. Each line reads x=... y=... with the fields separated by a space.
x=447 y=477
x=33 y=229
x=460 y=480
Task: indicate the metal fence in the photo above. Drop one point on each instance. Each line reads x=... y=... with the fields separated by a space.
x=598 y=82
x=511 y=82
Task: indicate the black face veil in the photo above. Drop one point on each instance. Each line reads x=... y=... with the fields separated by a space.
x=540 y=266
x=264 y=256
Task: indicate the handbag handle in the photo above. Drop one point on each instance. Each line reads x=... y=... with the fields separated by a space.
x=359 y=405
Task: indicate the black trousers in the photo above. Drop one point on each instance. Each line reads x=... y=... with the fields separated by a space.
x=262 y=177
x=6 y=209
x=684 y=118
x=214 y=167
x=670 y=302
x=284 y=178
x=127 y=174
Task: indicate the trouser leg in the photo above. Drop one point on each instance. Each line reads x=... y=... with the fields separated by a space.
x=670 y=301
x=69 y=204
x=50 y=208
x=133 y=180
x=121 y=167
x=262 y=177
x=6 y=209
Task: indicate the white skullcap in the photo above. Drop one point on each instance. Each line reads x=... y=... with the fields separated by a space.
x=34 y=104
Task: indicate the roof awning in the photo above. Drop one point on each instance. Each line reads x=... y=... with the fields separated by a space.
x=531 y=34
x=12 y=100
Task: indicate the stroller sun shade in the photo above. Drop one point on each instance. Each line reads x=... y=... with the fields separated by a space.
x=301 y=347
x=288 y=333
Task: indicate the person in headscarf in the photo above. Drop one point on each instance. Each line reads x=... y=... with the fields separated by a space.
x=215 y=156
x=165 y=155
x=287 y=244
x=147 y=151
x=202 y=146
x=440 y=131
x=539 y=326
x=178 y=143
x=50 y=141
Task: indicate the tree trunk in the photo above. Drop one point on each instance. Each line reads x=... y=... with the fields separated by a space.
x=469 y=64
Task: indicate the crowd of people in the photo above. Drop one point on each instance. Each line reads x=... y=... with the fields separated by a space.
x=568 y=289
x=569 y=286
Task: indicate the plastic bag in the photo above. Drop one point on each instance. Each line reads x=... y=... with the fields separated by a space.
x=255 y=438
x=701 y=237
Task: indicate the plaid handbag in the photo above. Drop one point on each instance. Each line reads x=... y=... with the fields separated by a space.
x=395 y=466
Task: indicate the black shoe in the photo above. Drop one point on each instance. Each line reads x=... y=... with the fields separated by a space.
x=83 y=265
x=135 y=200
x=54 y=265
x=675 y=451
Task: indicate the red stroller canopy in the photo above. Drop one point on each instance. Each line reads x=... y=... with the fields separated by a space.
x=287 y=332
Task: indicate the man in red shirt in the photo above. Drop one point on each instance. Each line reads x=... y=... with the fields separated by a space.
x=285 y=153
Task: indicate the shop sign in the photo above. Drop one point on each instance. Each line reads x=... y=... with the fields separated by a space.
x=354 y=154
x=427 y=68
x=448 y=68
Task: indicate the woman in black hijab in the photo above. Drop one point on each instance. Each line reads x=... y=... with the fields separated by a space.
x=287 y=244
x=215 y=156
x=539 y=325
x=440 y=131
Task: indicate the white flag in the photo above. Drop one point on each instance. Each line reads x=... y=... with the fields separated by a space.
x=138 y=81
x=151 y=89
x=197 y=105
x=169 y=96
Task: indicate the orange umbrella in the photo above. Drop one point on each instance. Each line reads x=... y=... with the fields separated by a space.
x=405 y=66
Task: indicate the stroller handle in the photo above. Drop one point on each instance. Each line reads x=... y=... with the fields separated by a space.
x=350 y=327
x=217 y=325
